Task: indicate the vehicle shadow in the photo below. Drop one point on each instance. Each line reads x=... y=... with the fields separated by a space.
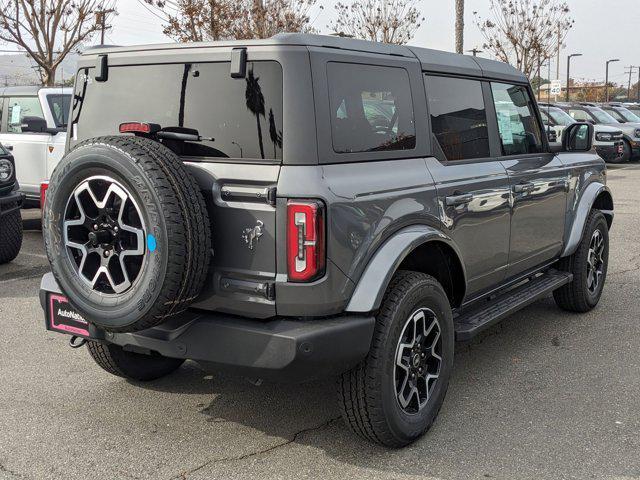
x=307 y=414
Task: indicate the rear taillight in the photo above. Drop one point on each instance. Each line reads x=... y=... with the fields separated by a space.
x=139 y=127
x=305 y=240
x=43 y=193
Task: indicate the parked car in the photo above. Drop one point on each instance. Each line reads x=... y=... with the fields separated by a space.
x=596 y=115
x=245 y=206
x=10 y=203
x=634 y=107
x=606 y=140
x=33 y=127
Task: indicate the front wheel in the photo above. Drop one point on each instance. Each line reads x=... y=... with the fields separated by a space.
x=10 y=236
x=395 y=394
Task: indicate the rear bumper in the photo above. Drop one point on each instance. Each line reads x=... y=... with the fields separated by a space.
x=279 y=349
x=11 y=202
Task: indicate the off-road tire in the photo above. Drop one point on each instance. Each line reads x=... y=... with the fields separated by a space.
x=628 y=152
x=175 y=214
x=366 y=394
x=10 y=236
x=575 y=296
x=135 y=366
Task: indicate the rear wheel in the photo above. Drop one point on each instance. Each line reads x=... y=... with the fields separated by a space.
x=395 y=394
x=135 y=366
x=588 y=265
x=10 y=236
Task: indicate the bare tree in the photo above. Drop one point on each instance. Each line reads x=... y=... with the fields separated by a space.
x=388 y=21
x=48 y=30
x=521 y=32
x=459 y=26
x=210 y=20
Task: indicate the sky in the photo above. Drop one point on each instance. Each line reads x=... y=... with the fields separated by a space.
x=599 y=33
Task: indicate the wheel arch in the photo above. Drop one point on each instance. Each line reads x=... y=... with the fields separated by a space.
x=595 y=196
x=420 y=248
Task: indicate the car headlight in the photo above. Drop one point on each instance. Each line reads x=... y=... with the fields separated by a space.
x=637 y=133
x=6 y=170
x=604 y=137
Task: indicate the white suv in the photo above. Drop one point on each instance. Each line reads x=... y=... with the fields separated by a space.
x=33 y=126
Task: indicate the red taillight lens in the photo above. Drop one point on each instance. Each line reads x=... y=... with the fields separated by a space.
x=43 y=193
x=305 y=240
x=139 y=127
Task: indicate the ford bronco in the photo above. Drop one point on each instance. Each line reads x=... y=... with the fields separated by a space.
x=307 y=206
x=34 y=129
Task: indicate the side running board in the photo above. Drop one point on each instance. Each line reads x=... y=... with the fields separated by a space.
x=477 y=318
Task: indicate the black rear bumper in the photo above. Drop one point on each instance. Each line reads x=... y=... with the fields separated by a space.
x=279 y=349
x=11 y=202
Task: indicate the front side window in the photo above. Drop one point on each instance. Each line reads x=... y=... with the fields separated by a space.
x=371 y=108
x=518 y=126
x=602 y=116
x=20 y=107
x=458 y=117
x=560 y=117
x=628 y=115
x=238 y=118
x=581 y=115
x=59 y=105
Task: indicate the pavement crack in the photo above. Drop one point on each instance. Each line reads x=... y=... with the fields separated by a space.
x=11 y=473
x=262 y=451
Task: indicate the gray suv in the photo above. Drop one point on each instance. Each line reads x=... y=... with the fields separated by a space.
x=307 y=206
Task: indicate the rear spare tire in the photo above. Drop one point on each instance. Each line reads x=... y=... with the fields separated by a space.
x=127 y=232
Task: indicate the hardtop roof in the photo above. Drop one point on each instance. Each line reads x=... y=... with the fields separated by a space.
x=30 y=90
x=431 y=60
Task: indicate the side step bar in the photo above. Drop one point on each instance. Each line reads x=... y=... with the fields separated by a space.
x=478 y=318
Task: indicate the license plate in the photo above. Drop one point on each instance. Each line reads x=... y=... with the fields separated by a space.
x=63 y=318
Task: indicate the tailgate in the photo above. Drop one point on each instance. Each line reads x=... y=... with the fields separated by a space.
x=241 y=203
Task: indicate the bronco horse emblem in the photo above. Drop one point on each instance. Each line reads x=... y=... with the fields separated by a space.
x=251 y=235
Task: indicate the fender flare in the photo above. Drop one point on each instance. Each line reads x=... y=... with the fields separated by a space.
x=581 y=213
x=373 y=283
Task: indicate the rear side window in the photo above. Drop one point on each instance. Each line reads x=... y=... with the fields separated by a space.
x=243 y=116
x=20 y=107
x=458 y=117
x=520 y=132
x=59 y=105
x=371 y=108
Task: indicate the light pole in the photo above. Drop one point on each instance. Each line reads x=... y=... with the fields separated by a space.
x=569 y=69
x=606 y=79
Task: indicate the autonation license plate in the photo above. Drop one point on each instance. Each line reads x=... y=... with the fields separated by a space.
x=63 y=318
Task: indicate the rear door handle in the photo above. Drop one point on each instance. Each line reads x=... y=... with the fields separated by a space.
x=456 y=200
x=524 y=187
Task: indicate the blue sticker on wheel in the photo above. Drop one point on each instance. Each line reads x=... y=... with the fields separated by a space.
x=151 y=243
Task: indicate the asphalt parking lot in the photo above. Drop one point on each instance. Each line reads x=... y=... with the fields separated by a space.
x=545 y=394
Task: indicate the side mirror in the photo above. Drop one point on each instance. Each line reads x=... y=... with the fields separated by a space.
x=578 y=137
x=552 y=136
x=34 y=125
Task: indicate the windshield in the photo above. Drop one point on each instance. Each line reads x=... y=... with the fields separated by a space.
x=561 y=117
x=59 y=104
x=628 y=115
x=601 y=116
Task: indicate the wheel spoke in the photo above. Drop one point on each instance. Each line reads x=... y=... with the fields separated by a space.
x=418 y=360
x=99 y=211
